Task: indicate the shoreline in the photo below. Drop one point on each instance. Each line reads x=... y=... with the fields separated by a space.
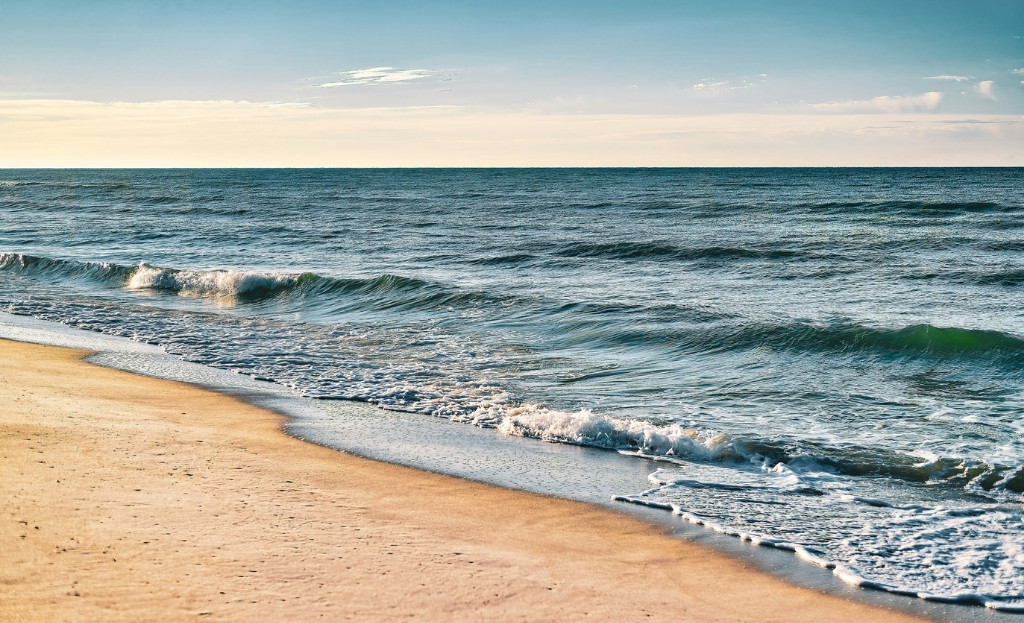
x=130 y=497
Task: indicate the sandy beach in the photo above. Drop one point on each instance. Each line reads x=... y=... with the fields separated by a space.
x=131 y=498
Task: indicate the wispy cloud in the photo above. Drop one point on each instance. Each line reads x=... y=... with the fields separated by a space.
x=985 y=88
x=708 y=86
x=284 y=104
x=378 y=75
x=926 y=102
x=949 y=77
x=1019 y=71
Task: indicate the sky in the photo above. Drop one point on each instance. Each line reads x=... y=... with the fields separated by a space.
x=305 y=83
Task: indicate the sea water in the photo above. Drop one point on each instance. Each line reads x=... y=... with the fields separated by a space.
x=827 y=361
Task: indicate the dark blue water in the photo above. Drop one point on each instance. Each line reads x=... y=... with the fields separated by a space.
x=828 y=360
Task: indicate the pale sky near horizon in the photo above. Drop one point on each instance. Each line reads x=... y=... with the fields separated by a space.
x=732 y=83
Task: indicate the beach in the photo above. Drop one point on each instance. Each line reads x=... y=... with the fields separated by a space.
x=132 y=498
x=769 y=354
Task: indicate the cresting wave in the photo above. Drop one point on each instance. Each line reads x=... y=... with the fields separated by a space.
x=210 y=282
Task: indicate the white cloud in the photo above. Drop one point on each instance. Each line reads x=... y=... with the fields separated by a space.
x=926 y=102
x=377 y=75
x=707 y=84
x=1019 y=71
x=948 y=77
x=985 y=88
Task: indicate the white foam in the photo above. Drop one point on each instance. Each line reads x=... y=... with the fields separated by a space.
x=944 y=553
x=591 y=429
x=206 y=283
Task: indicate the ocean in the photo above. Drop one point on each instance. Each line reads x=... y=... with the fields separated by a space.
x=826 y=361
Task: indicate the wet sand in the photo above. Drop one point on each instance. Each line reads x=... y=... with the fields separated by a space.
x=128 y=498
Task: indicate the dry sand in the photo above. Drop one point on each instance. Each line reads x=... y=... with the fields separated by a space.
x=130 y=498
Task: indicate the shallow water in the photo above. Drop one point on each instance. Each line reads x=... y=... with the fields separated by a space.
x=824 y=360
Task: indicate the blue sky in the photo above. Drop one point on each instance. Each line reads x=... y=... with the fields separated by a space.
x=588 y=62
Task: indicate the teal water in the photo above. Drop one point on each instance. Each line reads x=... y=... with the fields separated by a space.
x=825 y=360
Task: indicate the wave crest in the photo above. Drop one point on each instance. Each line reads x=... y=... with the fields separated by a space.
x=211 y=282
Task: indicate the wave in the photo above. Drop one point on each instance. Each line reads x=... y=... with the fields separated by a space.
x=1011 y=277
x=209 y=282
x=1007 y=277
x=674 y=331
x=919 y=207
x=942 y=208
x=585 y=322
x=106 y=272
x=381 y=292
x=498 y=260
x=666 y=251
x=663 y=312
x=915 y=340
x=676 y=443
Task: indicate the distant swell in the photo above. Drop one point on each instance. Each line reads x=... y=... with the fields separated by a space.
x=911 y=208
x=940 y=208
x=667 y=251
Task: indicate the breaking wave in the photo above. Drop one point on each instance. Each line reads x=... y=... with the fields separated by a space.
x=674 y=442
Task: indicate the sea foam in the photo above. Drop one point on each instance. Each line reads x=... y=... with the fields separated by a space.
x=587 y=428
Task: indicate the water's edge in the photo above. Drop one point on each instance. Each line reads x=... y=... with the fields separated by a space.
x=445 y=447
